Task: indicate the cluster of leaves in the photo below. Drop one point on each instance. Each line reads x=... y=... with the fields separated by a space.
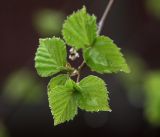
x=99 y=53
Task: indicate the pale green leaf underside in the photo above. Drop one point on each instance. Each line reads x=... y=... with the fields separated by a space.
x=50 y=56
x=93 y=94
x=105 y=57
x=63 y=104
x=57 y=81
x=80 y=29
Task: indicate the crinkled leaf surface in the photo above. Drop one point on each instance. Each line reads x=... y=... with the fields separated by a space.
x=63 y=103
x=50 y=56
x=94 y=94
x=57 y=81
x=105 y=57
x=80 y=29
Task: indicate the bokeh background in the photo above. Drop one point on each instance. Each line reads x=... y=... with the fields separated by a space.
x=134 y=25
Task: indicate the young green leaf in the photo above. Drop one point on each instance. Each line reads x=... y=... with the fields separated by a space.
x=80 y=29
x=57 y=81
x=63 y=103
x=50 y=56
x=105 y=57
x=94 y=94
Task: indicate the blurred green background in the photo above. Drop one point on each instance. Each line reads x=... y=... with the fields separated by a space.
x=134 y=25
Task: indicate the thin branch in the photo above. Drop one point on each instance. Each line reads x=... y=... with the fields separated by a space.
x=81 y=66
x=79 y=71
x=78 y=77
x=101 y=23
x=102 y=20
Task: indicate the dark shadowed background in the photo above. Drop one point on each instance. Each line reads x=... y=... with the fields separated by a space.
x=134 y=25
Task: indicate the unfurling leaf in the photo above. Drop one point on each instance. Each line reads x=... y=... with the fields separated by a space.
x=80 y=29
x=105 y=57
x=50 y=56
